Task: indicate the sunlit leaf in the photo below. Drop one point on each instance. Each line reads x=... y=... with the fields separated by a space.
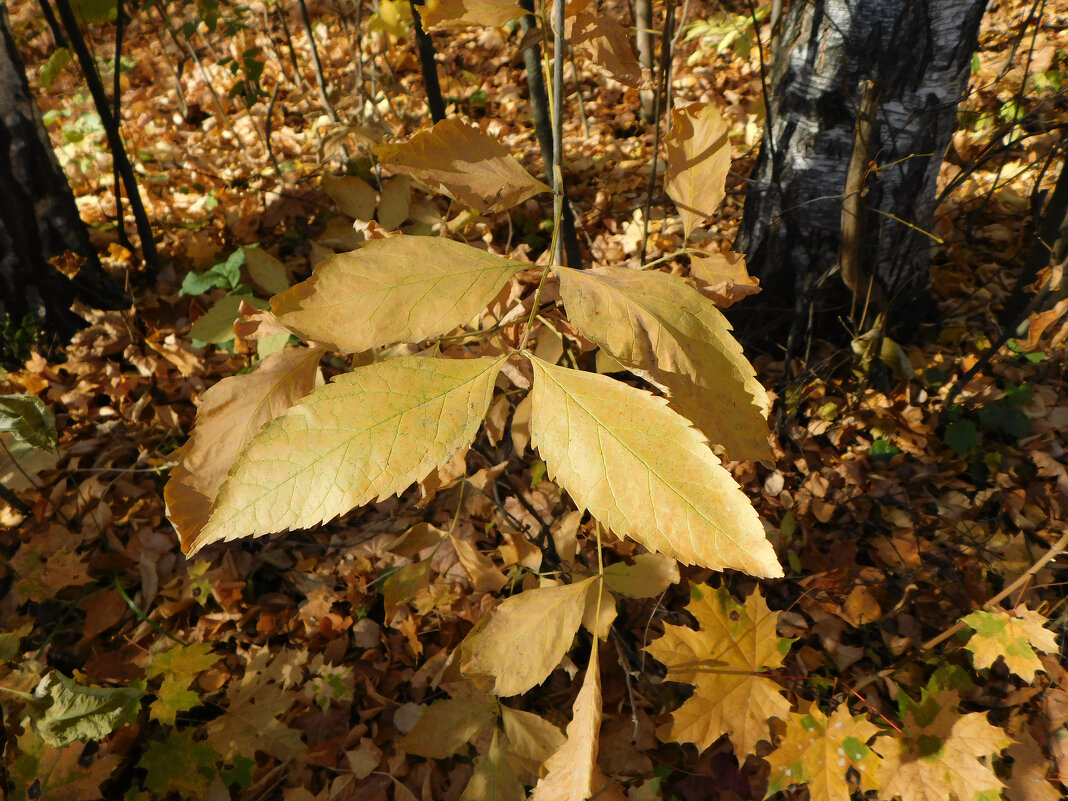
x=525 y=637
x=659 y=324
x=368 y=435
x=698 y=159
x=400 y=289
x=644 y=472
x=603 y=40
x=463 y=163
x=464 y=13
x=76 y=712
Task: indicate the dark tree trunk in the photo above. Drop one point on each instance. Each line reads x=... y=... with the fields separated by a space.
x=913 y=57
x=38 y=218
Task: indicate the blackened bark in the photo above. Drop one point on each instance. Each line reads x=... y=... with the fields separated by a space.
x=917 y=53
x=38 y=217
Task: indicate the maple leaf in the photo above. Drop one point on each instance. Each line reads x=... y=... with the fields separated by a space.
x=1012 y=636
x=520 y=642
x=818 y=751
x=180 y=765
x=369 y=434
x=1029 y=769
x=938 y=755
x=400 y=289
x=256 y=703
x=178 y=666
x=698 y=159
x=643 y=471
x=41 y=576
x=571 y=773
x=230 y=414
x=723 y=659
x=462 y=162
x=43 y=773
x=658 y=323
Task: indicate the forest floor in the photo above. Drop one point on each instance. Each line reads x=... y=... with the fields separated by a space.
x=893 y=516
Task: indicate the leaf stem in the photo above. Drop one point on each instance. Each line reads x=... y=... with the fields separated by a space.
x=141 y=614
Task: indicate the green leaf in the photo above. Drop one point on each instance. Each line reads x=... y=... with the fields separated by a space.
x=50 y=69
x=76 y=712
x=179 y=765
x=224 y=275
x=178 y=666
x=881 y=449
x=217 y=325
x=1004 y=418
x=370 y=434
x=961 y=436
x=28 y=420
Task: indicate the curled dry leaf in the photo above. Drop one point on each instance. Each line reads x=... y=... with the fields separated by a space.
x=698 y=159
x=370 y=434
x=722 y=277
x=460 y=161
x=398 y=289
x=644 y=472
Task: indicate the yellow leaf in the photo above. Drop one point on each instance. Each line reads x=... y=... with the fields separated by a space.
x=818 y=751
x=446 y=727
x=1013 y=636
x=465 y=164
x=1029 y=769
x=572 y=773
x=353 y=196
x=369 y=434
x=484 y=574
x=939 y=754
x=698 y=159
x=395 y=203
x=531 y=740
x=723 y=659
x=658 y=323
x=603 y=40
x=525 y=637
x=230 y=414
x=464 y=13
x=600 y=610
x=644 y=472
x=493 y=778
x=650 y=575
x=392 y=17
x=400 y=289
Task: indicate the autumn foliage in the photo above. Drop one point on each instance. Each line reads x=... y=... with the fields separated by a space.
x=451 y=520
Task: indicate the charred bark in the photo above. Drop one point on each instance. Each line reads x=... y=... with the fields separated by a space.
x=917 y=54
x=38 y=217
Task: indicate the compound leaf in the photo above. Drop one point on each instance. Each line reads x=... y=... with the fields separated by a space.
x=370 y=434
x=398 y=289
x=644 y=472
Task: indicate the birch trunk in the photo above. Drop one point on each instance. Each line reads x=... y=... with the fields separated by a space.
x=917 y=53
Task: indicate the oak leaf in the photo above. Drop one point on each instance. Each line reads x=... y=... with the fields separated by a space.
x=724 y=660
x=659 y=324
x=525 y=637
x=460 y=161
x=641 y=470
x=818 y=751
x=698 y=160
x=230 y=414
x=571 y=773
x=368 y=435
x=400 y=289
x=1013 y=636
x=939 y=755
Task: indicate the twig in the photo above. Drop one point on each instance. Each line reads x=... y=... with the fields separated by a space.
x=320 y=81
x=662 y=77
x=429 y=66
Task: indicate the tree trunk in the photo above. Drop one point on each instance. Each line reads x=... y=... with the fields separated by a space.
x=38 y=217
x=914 y=56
